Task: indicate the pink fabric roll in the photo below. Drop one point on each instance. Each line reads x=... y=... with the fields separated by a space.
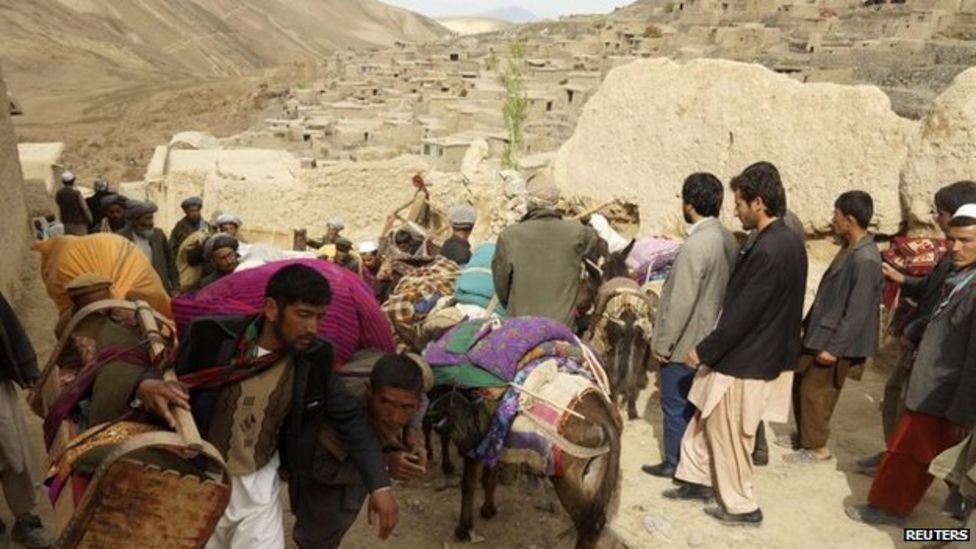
x=353 y=320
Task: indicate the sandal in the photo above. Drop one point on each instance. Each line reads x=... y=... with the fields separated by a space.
x=804 y=457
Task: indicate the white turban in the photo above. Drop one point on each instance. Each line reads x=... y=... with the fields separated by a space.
x=229 y=219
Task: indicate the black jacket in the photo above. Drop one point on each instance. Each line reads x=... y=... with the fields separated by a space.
x=758 y=332
x=319 y=396
x=18 y=362
x=926 y=291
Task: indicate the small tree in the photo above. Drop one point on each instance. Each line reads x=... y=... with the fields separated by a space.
x=516 y=104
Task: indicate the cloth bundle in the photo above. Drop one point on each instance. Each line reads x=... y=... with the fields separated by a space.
x=353 y=321
x=65 y=257
x=419 y=291
x=651 y=258
x=475 y=285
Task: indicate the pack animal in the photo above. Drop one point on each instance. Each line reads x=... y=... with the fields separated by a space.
x=623 y=324
x=587 y=486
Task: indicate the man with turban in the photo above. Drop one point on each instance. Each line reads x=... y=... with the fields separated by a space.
x=191 y=222
x=114 y=206
x=220 y=253
x=151 y=241
x=537 y=261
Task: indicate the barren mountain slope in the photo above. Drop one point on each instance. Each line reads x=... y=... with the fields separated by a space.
x=61 y=47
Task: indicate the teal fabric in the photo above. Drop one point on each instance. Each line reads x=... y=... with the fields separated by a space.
x=463 y=338
x=465 y=375
x=475 y=285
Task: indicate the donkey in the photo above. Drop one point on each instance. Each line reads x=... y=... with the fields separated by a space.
x=587 y=487
x=623 y=321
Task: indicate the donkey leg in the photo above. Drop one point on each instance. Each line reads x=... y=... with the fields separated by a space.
x=447 y=466
x=469 y=483
x=632 y=393
x=489 y=481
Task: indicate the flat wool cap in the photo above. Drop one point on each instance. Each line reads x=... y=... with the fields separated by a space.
x=229 y=219
x=88 y=282
x=462 y=217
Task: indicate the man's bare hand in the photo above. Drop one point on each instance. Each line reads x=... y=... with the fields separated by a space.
x=826 y=359
x=405 y=466
x=692 y=359
x=158 y=396
x=384 y=513
x=892 y=274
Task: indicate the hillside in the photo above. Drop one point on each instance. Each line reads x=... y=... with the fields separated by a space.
x=64 y=46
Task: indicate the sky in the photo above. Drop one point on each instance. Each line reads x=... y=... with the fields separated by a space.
x=542 y=8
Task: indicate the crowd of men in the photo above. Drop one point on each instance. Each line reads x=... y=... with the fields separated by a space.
x=732 y=342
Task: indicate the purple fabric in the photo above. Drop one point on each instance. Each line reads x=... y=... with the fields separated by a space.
x=499 y=350
x=353 y=320
x=652 y=255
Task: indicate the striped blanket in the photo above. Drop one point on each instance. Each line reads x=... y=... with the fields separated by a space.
x=353 y=320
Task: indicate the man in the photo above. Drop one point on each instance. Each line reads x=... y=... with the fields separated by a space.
x=925 y=291
x=458 y=248
x=536 y=268
x=151 y=241
x=191 y=222
x=334 y=228
x=371 y=265
x=743 y=363
x=689 y=306
x=264 y=382
x=73 y=208
x=760 y=456
x=332 y=498
x=229 y=224
x=343 y=256
x=95 y=205
x=115 y=207
x=108 y=375
x=220 y=252
x=18 y=366
x=841 y=330
x=939 y=406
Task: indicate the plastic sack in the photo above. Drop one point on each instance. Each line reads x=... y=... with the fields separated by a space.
x=65 y=257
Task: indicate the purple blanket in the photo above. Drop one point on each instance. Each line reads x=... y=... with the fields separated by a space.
x=498 y=349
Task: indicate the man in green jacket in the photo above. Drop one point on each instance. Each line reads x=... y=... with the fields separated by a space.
x=537 y=263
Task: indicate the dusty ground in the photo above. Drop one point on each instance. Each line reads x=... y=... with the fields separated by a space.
x=803 y=506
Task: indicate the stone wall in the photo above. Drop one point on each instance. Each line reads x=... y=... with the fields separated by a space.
x=14 y=228
x=654 y=122
x=944 y=151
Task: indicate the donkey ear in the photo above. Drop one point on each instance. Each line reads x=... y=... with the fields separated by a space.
x=630 y=247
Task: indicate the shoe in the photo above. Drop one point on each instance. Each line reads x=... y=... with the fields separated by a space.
x=689 y=491
x=872 y=515
x=791 y=441
x=662 y=470
x=870 y=463
x=754 y=518
x=760 y=459
x=31 y=533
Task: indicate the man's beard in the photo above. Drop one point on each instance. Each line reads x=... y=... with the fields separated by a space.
x=688 y=218
x=290 y=347
x=116 y=224
x=144 y=232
